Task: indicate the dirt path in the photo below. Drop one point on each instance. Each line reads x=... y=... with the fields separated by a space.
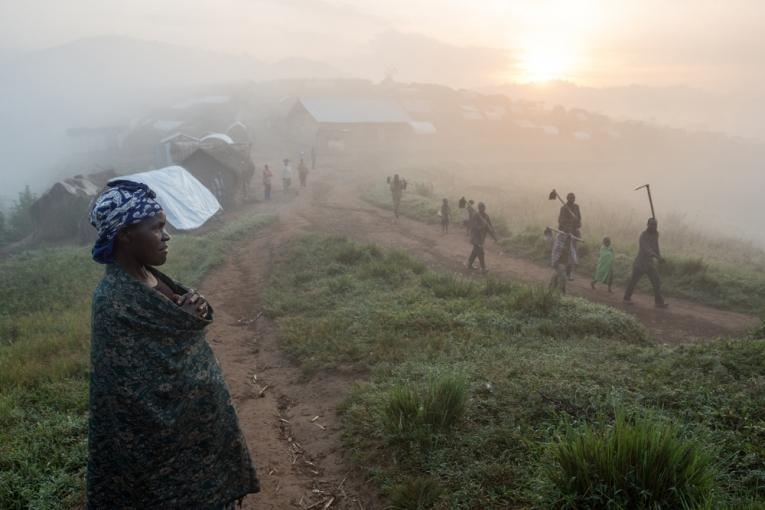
x=291 y=423
x=337 y=208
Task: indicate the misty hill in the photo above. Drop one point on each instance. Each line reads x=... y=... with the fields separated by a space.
x=684 y=107
x=106 y=81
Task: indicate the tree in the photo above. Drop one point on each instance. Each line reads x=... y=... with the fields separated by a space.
x=3 y=233
x=20 y=222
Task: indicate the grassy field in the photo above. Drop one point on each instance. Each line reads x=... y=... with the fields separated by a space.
x=489 y=395
x=730 y=276
x=44 y=349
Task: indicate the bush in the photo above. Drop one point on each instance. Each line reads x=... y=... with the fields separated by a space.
x=424 y=189
x=641 y=465
x=420 y=493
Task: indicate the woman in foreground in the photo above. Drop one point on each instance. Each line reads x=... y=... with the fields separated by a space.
x=163 y=432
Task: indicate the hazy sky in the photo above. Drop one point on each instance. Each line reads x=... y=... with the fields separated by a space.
x=710 y=43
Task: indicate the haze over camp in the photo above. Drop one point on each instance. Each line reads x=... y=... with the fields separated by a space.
x=315 y=254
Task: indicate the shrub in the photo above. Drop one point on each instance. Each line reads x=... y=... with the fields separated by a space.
x=424 y=189
x=634 y=465
x=419 y=493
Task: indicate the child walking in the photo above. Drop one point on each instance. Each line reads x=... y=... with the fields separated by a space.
x=604 y=272
x=446 y=214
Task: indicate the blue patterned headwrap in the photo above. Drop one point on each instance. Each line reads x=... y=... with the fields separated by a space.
x=122 y=203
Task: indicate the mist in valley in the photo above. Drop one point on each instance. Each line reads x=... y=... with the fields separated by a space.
x=522 y=98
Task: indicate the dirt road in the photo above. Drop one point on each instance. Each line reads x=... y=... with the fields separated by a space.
x=291 y=423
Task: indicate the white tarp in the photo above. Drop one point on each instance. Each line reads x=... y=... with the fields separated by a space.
x=187 y=203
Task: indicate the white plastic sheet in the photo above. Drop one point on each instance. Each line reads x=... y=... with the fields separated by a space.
x=187 y=203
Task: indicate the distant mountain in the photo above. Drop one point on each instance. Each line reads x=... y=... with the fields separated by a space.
x=684 y=107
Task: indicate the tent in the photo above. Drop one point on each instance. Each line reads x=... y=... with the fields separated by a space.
x=187 y=203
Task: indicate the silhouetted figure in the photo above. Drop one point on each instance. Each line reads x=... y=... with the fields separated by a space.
x=446 y=214
x=480 y=227
x=644 y=265
x=570 y=220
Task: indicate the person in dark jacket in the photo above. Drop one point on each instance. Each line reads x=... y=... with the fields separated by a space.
x=644 y=265
x=480 y=227
x=570 y=221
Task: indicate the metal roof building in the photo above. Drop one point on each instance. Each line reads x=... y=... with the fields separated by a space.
x=353 y=111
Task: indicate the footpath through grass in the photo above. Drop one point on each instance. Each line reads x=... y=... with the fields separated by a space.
x=717 y=283
x=44 y=355
x=488 y=395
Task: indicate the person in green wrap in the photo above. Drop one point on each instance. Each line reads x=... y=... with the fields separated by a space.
x=162 y=431
x=604 y=272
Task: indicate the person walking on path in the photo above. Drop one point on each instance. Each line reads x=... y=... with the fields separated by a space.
x=267 y=176
x=445 y=214
x=562 y=254
x=302 y=173
x=162 y=430
x=397 y=187
x=480 y=227
x=648 y=251
x=470 y=213
x=286 y=175
x=604 y=272
x=570 y=220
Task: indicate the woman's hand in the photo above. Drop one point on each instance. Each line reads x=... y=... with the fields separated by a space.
x=194 y=303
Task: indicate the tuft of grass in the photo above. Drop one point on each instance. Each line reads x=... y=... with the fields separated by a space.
x=445 y=402
x=402 y=414
x=412 y=413
x=635 y=464
x=419 y=493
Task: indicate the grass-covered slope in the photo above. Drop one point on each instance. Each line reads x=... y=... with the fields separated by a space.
x=44 y=354
x=475 y=388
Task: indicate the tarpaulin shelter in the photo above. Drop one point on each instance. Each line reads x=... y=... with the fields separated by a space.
x=187 y=203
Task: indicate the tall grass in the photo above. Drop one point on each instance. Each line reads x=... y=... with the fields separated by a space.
x=641 y=464
x=44 y=344
x=532 y=364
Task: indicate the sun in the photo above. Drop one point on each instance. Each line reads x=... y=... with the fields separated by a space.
x=542 y=61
